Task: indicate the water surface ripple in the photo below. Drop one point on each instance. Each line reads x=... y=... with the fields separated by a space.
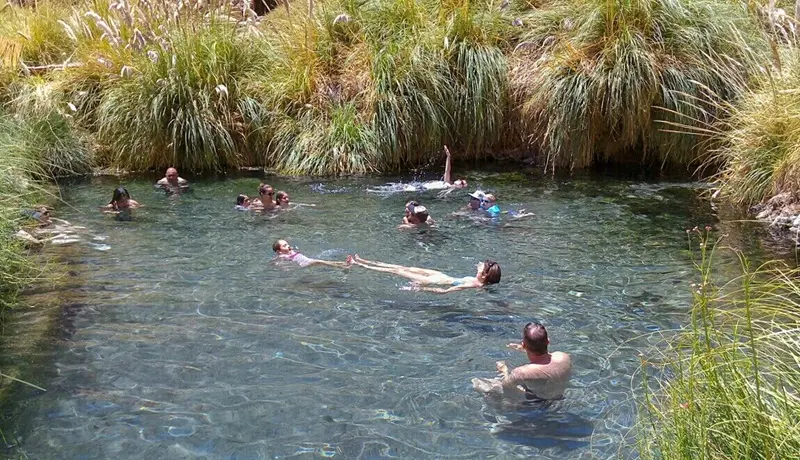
x=183 y=340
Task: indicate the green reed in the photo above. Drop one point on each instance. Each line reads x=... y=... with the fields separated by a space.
x=726 y=387
x=596 y=77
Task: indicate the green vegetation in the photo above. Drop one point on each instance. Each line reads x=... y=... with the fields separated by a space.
x=760 y=154
x=727 y=386
x=381 y=85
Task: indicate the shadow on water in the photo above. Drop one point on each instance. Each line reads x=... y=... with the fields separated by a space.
x=543 y=425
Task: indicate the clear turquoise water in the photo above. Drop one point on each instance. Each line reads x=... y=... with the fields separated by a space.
x=179 y=338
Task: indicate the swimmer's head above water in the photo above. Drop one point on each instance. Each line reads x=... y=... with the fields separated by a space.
x=476 y=198
x=419 y=215
x=281 y=247
x=266 y=190
x=534 y=338
x=242 y=200
x=488 y=272
x=460 y=183
x=282 y=199
x=121 y=198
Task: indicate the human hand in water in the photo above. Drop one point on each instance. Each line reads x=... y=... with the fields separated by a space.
x=501 y=367
x=515 y=346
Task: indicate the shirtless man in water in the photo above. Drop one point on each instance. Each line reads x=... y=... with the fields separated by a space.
x=545 y=376
x=172 y=182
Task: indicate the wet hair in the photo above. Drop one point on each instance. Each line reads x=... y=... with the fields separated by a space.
x=421 y=215
x=119 y=192
x=534 y=335
x=264 y=188
x=410 y=206
x=276 y=246
x=240 y=199
x=278 y=197
x=491 y=272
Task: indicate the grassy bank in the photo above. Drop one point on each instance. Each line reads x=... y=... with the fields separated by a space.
x=726 y=387
x=36 y=145
x=760 y=156
x=381 y=85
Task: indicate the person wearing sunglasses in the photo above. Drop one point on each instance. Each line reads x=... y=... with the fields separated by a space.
x=488 y=272
x=265 y=201
x=545 y=376
x=285 y=253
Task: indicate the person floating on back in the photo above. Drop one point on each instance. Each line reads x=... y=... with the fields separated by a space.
x=545 y=376
x=171 y=182
x=447 y=184
x=121 y=204
x=488 y=272
x=285 y=252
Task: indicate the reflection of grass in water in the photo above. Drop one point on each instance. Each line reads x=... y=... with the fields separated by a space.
x=731 y=390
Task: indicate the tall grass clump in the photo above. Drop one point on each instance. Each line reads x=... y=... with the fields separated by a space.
x=594 y=80
x=182 y=103
x=760 y=152
x=727 y=387
x=329 y=143
x=475 y=37
x=38 y=31
x=51 y=138
x=19 y=188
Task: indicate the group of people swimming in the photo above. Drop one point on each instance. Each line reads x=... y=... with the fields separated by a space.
x=546 y=374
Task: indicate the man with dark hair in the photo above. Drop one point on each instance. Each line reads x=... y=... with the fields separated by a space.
x=545 y=377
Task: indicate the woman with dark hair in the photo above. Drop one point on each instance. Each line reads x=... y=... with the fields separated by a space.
x=121 y=204
x=488 y=272
x=242 y=203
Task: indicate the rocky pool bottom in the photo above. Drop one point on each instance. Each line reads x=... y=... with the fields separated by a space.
x=176 y=336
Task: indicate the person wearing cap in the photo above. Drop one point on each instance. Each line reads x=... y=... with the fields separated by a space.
x=475 y=200
x=544 y=377
x=171 y=182
x=416 y=215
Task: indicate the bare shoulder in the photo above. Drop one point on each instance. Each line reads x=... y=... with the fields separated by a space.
x=560 y=356
x=182 y=181
x=162 y=181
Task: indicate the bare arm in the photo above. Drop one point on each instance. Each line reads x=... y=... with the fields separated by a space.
x=446 y=291
x=448 y=167
x=329 y=263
